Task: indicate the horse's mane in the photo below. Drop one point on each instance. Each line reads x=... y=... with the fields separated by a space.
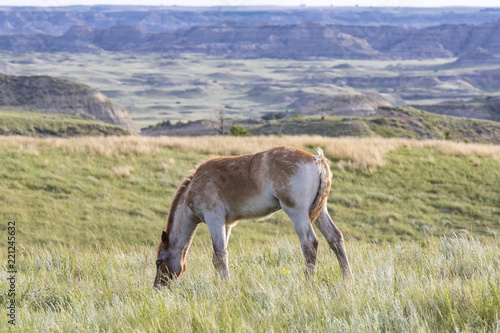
x=175 y=201
x=207 y=159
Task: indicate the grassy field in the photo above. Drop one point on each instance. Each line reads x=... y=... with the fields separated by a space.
x=157 y=87
x=38 y=124
x=440 y=285
x=421 y=221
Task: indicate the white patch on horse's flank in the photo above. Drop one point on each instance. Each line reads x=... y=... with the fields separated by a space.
x=304 y=184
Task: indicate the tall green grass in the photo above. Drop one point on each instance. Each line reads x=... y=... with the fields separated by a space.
x=438 y=285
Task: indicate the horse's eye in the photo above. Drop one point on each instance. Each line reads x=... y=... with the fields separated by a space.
x=158 y=263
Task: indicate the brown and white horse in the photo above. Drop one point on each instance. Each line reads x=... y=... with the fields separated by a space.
x=224 y=190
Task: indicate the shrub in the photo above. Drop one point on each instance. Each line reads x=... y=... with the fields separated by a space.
x=381 y=121
x=273 y=115
x=238 y=130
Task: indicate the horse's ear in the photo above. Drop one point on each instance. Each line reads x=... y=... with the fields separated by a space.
x=164 y=238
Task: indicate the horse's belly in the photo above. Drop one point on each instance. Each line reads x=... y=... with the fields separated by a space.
x=254 y=208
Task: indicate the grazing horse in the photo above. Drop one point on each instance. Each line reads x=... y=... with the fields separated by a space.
x=224 y=190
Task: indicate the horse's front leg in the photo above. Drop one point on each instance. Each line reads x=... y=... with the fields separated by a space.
x=217 y=228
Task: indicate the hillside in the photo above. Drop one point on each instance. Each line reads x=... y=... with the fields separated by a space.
x=49 y=94
x=402 y=122
x=37 y=124
x=304 y=41
x=478 y=108
x=478 y=57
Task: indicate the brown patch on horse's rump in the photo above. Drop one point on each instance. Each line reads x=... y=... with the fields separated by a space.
x=282 y=169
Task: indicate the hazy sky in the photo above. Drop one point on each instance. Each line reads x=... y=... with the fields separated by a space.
x=382 y=3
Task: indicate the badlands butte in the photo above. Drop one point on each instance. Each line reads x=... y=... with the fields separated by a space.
x=302 y=41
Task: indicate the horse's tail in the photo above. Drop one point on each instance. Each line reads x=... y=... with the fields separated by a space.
x=325 y=177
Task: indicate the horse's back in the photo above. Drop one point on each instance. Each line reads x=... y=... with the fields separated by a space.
x=254 y=185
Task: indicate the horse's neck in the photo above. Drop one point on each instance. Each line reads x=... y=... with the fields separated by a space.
x=183 y=227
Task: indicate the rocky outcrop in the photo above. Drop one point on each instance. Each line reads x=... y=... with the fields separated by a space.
x=51 y=94
x=344 y=105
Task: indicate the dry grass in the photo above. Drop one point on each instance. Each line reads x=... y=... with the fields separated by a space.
x=359 y=153
x=122 y=171
x=168 y=164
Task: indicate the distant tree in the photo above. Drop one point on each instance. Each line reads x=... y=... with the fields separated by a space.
x=219 y=120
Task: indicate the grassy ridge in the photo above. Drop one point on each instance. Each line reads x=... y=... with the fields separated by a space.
x=89 y=212
x=38 y=124
x=403 y=122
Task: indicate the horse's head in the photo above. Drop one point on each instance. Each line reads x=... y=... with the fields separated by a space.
x=168 y=265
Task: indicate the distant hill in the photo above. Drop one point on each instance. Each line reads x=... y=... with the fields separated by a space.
x=235 y=40
x=302 y=41
x=57 y=20
x=53 y=95
x=479 y=108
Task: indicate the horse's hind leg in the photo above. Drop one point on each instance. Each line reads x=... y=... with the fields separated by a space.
x=228 y=233
x=335 y=240
x=307 y=237
x=217 y=229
